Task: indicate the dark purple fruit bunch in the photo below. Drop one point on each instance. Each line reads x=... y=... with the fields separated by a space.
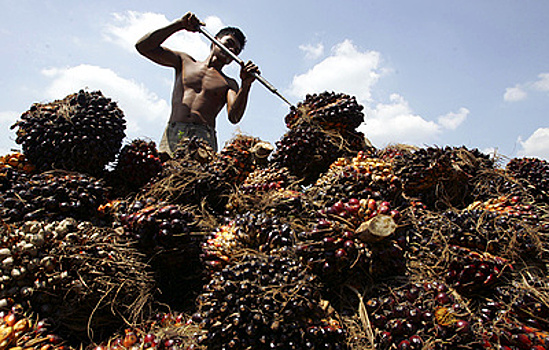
x=419 y=314
x=138 y=162
x=441 y=176
x=308 y=150
x=328 y=109
x=53 y=196
x=159 y=224
x=260 y=232
x=82 y=132
x=472 y=272
x=497 y=228
x=536 y=174
x=265 y=303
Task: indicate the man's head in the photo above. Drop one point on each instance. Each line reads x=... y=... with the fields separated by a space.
x=236 y=34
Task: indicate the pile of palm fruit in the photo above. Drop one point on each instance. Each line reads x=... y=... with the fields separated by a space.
x=319 y=242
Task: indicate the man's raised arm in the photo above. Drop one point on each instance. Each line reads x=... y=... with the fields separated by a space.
x=150 y=45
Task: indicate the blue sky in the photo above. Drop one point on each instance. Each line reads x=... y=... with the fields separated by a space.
x=473 y=73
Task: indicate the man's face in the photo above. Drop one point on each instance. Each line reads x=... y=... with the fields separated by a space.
x=230 y=43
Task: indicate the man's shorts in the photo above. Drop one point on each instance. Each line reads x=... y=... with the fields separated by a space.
x=175 y=131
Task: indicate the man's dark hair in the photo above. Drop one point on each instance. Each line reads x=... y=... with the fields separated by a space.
x=237 y=33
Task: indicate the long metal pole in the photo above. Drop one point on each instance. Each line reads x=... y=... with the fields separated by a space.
x=241 y=63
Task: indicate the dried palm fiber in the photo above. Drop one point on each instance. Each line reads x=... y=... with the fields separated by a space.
x=441 y=177
x=361 y=177
x=87 y=279
x=185 y=180
x=170 y=237
x=20 y=329
x=166 y=330
x=264 y=302
x=53 y=195
x=82 y=132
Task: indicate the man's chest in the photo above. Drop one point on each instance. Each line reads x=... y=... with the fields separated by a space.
x=205 y=80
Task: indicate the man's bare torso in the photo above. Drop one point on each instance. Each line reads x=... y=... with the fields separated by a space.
x=199 y=93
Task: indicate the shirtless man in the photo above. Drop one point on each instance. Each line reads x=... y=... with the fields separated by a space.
x=201 y=89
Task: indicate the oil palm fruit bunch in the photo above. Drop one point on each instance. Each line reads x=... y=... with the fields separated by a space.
x=167 y=331
x=417 y=315
x=441 y=176
x=360 y=177
x=342 y=239
x=20 y=330
x=80 y=276
x=82 y=132
x=194 y=148
x=261 y=232
x=266 y=179
x=137 y=163
x=329 y=109
x=247 y=154
x=266 y=302
x=159 y=224
x=53 y=195
x=470 y=271
x=510 y=232
x=536 y=174
x=308 y=150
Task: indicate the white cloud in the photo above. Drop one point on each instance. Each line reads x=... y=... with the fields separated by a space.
x=537 y=145
x=520 y=91
x=145 y=112
x=452 y=120
x=395 y=122
x=347 y=70
x=514 y=94
x=542 y=84
x=312 y=51
x=126 y=28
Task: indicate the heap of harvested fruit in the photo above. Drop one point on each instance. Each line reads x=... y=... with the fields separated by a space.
x=266 y=303
x=440 y=175
x=329 y=109
x=82 y=132
x=53 y=195
x=535 y=171
x=420 y=314
x=101 y=278
x=361 y=177
x=138 y=162
x=260 y=232
x=20 y=331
